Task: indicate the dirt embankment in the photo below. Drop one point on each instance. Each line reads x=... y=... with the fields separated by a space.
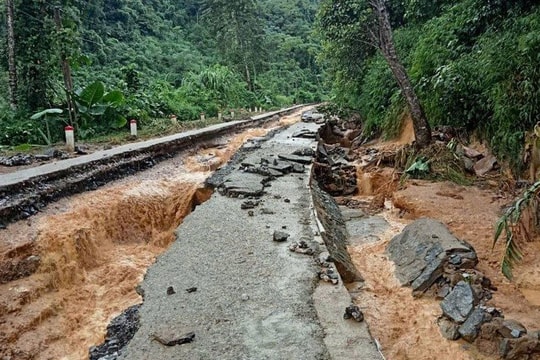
x=407 y=326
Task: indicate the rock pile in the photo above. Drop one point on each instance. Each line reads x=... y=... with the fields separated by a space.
x=432 y=261
x=119 y=332
x=335 y=174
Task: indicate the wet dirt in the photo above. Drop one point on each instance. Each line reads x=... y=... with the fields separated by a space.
x=406 y=327
x=94 y=249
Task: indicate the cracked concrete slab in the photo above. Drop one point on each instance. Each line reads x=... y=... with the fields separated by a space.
x=255 y=298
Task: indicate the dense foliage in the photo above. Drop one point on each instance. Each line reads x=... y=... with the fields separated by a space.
x=474 y=63
x=152 y=59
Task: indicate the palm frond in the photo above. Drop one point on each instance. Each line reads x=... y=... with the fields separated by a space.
x=512 y=225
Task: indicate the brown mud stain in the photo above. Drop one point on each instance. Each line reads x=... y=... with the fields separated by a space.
x=407 y=131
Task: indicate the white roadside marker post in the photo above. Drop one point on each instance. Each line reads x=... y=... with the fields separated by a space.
x=70 y=138
x=133 y=127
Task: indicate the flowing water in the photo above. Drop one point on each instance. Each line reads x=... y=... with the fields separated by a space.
x=95 y=249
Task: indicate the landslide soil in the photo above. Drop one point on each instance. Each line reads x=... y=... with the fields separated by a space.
x=406 y=327
x=95 y=248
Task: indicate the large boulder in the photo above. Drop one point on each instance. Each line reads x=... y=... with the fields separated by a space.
x=423 y=250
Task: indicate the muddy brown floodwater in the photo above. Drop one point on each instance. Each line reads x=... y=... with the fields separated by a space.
x=95 y=248
x=406 y=327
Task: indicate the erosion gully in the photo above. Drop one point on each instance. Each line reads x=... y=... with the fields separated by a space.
x=84 y=255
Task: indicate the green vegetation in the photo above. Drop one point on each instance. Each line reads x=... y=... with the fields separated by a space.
x=152 y=59
x=517 y=225
x=475 y=64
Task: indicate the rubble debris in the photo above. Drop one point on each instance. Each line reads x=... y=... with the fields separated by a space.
x=250 y=204
x=448 y=328
x=173 y=340
x=279 y=165
x=191 y=290
x=450 y=274
x=312 y=115
x=170 y=290
x=280 y=236
x=305 y=151
x=16 y=160
x=472 y=153
x=328 y=274
x=485 y=165
x=422 y=251
x=517 y=349
x=119 y=332
x=81 y=150
x=301 y=247
x=353 y=312
x=471 y=327
x=333 y=171
x=305 y=133
x=242 y=184
x=512 y=329
x=459 y=303
x=337 y=180
x=306 y=160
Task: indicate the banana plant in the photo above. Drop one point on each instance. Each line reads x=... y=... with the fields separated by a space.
x=96 y=106
x=512 y=229
x=46 y=114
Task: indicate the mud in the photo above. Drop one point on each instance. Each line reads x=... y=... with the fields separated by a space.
x=93 y=251
x=406 y=326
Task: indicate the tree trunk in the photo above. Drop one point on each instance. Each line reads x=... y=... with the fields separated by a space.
x=12 y=68
x=248 y=77
x=422 y=130
x=66 y=72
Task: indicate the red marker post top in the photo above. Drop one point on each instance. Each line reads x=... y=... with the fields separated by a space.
x=132 y=121
x=68 y=128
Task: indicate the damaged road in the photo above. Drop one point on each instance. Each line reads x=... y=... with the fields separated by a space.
x=25 y=192
x=227 y=289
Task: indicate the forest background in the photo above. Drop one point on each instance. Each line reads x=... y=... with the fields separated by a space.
x=475 y=64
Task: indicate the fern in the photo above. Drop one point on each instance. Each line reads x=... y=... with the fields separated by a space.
x=511 y=225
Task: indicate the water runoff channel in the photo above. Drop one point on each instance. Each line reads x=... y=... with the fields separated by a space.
x=83 y=256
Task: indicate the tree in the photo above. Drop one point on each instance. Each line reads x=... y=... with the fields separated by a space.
x=12 y=67
x=239 y=34
x=364 y=25
x=34 y=53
